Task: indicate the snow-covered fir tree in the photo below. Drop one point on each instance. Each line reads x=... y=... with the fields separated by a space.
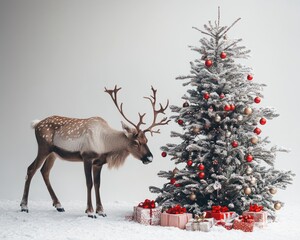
x=226 y=160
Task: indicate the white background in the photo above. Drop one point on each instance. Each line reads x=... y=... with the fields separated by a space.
x=56 y=57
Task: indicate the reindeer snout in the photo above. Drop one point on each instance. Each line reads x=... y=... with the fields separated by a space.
x=147 y=158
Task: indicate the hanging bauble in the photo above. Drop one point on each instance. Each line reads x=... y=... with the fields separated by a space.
x=248 y=110
x=232 y=107
x=201 y=175
x=185 y=104
x=240 y=118
x=201 y=167
x=273 y=190
x=234 y=143
x=247 y=191
x=223 y=55
x=217 y=118
x=249 y=170
x=222 y=95
x=257 y=100
x=263 y=121
x=227 y=134
x=254 y=140
x=206 y=95
x=249 y=77
x=177 y=185
x=193 y=196
x=257 y=130
x=164 y=154
x=189 y=162
x=277 y=205
x=172 y=180
x=249 y=158
x=208 y=63
x=180 y=121
x=196 y=129
x=175 y=171
x=253 y=180
x=227 y=107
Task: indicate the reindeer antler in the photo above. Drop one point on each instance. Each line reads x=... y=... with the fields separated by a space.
x=162 y=109
x=113 y=95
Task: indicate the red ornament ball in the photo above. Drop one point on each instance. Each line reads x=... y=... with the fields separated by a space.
x=222 y=95
x=227 y=107
x=201 y=167
x=180 y=121
x=208 y=63
x=177 y=185
x=206 y=96
x=234 y=144
x=232 y=107
x=163 y=154
x=201 y=175
x=257 y=100
x=249 y=77
x=173 y=181
x=189 y=162
x=223 y=55
x=257 y=131
x=263 y=121
x=249 y=158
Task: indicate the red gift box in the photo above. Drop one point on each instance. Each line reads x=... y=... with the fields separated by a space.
x=219 y=213
x=244 y=223
x=146 y=213
x=260 y=217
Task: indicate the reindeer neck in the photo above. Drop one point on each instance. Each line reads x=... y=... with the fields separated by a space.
x=116 y=141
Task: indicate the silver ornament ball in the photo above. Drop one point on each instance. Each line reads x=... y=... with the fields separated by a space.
x=249 y=170
x=240 y=118
x=228 y=134
x=217 y=118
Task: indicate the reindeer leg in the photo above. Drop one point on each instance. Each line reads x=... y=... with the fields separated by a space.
x=89 y=184
x=45 y=173
x=31 y=170
x=97 y=179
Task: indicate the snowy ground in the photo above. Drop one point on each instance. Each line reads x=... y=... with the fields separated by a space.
x=43 y=222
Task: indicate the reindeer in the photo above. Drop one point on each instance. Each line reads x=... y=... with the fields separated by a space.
x=93 y=142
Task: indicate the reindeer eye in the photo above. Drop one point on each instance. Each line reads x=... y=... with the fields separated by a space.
x=136 y=143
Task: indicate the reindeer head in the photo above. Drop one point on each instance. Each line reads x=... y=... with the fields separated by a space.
x=137 y=139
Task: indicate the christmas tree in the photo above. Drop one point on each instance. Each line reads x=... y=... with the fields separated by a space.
x=222 y=157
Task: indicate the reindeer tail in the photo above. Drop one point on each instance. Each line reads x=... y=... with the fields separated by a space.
x=34 y=123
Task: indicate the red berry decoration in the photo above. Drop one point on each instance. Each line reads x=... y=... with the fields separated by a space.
x=173 y=181
x=201 y=175
x=222 y=95
x=249 y=77
x=257 y=131
x=227 y=107
x=249 y=158
x=189 y=162
x=180 y=121
x=208 y=63
x=206 y=96
x=201 y=167
x=257 y=100
x=232 y=107
x=234 y=143
x=223 y=55
x=263 y=121
x=163 y=154
x=177 y=185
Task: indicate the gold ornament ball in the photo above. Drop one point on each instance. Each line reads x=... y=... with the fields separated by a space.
x=249 y=170
x=253 y=180
x=247 y=191
x=217 y=118
x=240 y=118
x=248 y=110
x=196 y=130
x=193 y=196
x=277 y=206
x=254 y=140
x=175 y=171
x=273 y=190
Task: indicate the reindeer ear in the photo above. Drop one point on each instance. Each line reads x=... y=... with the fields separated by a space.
x=127 y=130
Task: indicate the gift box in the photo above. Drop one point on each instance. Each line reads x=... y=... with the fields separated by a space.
x=244 y=223
x=260 y=217
x=200 y=224
x=219 y=213
x=146 y=213
x=175 y=217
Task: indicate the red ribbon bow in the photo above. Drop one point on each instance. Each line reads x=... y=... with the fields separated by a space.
x=246 y=218
x=218 y=209
x=176 y=210
x=255 y=208
x=147 y=204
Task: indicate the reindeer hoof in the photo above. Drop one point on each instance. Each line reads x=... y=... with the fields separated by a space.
x=101 y=214
x=60 y=209
x=92 y=216
x=24 y=210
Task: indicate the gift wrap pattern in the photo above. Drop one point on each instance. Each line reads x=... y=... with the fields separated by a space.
x=147 y=216
x=203 y=225
x=238 y=224
x=260 y=218
x=175 y=220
